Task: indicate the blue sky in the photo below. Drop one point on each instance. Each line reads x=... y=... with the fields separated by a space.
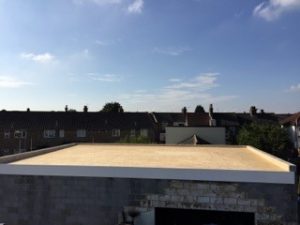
x=150 y=55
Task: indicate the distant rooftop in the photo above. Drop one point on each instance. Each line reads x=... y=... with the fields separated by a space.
x=226 y=163
x=293 y=119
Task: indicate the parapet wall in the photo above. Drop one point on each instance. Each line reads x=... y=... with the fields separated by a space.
x=25 y=155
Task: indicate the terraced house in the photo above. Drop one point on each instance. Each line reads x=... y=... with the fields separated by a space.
x=29 y=130
x=25 y=131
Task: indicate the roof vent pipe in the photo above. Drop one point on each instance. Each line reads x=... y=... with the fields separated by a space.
x=211 y=111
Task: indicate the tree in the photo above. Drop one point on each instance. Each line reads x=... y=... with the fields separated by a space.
x=199 y=109
x=268 y=137
x=112 y=107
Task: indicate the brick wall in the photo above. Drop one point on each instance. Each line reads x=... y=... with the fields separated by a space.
x=35 y=200
x=35 y=139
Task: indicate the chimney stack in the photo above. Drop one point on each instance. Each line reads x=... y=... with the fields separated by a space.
x=66 y=108
x=212 y=121
x=85 y=109
x=252 y=111
x=211 y=111
x=184 y=111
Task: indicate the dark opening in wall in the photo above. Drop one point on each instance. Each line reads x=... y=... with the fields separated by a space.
x=167 y=216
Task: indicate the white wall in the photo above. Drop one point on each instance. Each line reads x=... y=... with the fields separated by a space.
x=214 y=135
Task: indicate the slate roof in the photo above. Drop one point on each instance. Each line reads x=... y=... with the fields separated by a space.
x=239 y=119
x=259 y=117
x=194 y=119
x=222 y=119
x=283 y=116
x=74 y=120
x=291 y=119
x=126 y=120
x=198 y=119
x=226 y=119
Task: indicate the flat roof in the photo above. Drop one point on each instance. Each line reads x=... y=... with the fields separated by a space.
x=149 y=156
x=152 y=161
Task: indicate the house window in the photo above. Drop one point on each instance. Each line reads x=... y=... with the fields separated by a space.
x=61 y=133
x=49 y=133
x=132 y=132
x=115 y=132
x=81 y=133
x=6 y=134
x=178 y=124
x=20 y=134
x=144 y=132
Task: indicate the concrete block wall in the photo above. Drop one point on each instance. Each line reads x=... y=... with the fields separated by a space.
x=35 y=200
x=264 y=200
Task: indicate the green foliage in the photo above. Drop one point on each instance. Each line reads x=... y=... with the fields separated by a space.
x=112 y=107
x=267 y=137
x=135 y=139
x=199 y=109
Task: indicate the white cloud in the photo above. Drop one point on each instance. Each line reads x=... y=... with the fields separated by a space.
x=272 y=9
x=73 y=78
x=172 y=51
x=295 y=88
x=176 y=95
x=98 y=2
x=140 y=91
x=107 y=42
x=202 y=82
x=39 y=58
x=85 y=53
x=136 y=6
x=101 y=43
x=105 y=77
x=11 y=82
x=175 y=80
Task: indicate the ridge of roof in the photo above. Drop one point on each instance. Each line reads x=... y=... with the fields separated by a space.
x=291 y=118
